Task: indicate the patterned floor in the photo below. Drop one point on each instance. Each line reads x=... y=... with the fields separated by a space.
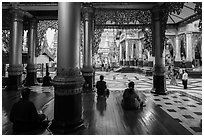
x=185 y=106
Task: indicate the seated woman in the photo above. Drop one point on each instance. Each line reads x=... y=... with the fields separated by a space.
x=47 y=80
x=101 y=87
x=131 y=98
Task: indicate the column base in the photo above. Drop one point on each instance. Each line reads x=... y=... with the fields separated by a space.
x=177 y=64
x=14 y=83
x=188 y=64
x=159 y=85
x=127 y=63
x=88 y=85
x=31 y=79
x=132 y=63
x=121 y=63
x=140 y=63
x=150 y=63
x=67 y=118
x=60 y=129
x=88 y=76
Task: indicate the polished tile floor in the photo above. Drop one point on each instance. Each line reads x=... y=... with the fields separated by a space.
x=184 y=106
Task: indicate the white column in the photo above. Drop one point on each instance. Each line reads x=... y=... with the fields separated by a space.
x=121 y=52
x=189 y=47
x=127 y=50
x=177 y=49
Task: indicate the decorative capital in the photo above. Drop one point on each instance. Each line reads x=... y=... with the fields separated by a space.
x=88 y=11
x=156 y=13
x=17 y=14
x=31 y=68
x=33 y=23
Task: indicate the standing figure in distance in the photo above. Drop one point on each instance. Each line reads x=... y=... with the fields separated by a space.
x=185 y=79
x=101 y=87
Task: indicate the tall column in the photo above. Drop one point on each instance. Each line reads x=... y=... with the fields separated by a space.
x=132 y=56
x=121 y=54
x=189 y=58
x=15 y=55
x=140 y=58
x=68 y=81
x=31 y=78
x=127 y=55
x=159 y=79
x=177 y=62
x=87 y=69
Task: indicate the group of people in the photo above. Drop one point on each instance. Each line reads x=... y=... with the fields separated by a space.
x=131 y=98
x=25 y=116
x=181 y=74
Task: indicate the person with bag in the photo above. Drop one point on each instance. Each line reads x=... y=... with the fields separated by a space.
x=102 y=88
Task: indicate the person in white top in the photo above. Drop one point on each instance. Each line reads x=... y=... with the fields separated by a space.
x=185 y=79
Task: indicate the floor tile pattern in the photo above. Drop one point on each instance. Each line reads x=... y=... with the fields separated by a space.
x=184 y=105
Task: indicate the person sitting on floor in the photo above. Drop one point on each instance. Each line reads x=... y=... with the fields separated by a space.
x=101 y=87
x=47 y=80
x=24 y=115
x=131 y=99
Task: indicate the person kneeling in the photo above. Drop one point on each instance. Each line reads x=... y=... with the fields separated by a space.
x=24 y=115
x=131 y=98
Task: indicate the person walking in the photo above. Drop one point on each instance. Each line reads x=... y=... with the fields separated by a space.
x=173 y=78
x=185 y=79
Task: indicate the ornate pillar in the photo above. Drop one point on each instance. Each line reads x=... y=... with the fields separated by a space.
x=15 y=55
x=68 y=81
x=127 y=55
x=177 y=62
x=87 y=69
x=132 y=56
x=189 y=58
x=31 y=78
x=140 y=60
x=159 y=79
x=121 y=55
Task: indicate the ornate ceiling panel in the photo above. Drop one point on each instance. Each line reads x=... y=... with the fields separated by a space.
x=119 y=17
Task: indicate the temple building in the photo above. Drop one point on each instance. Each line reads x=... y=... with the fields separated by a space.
x=126 y=35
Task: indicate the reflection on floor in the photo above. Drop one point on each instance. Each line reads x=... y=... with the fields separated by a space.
x=179 y=109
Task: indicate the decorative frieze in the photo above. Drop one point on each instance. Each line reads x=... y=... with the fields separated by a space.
x=69 y=72
x=15 y=70
x=67 y=92
x=31 y=68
